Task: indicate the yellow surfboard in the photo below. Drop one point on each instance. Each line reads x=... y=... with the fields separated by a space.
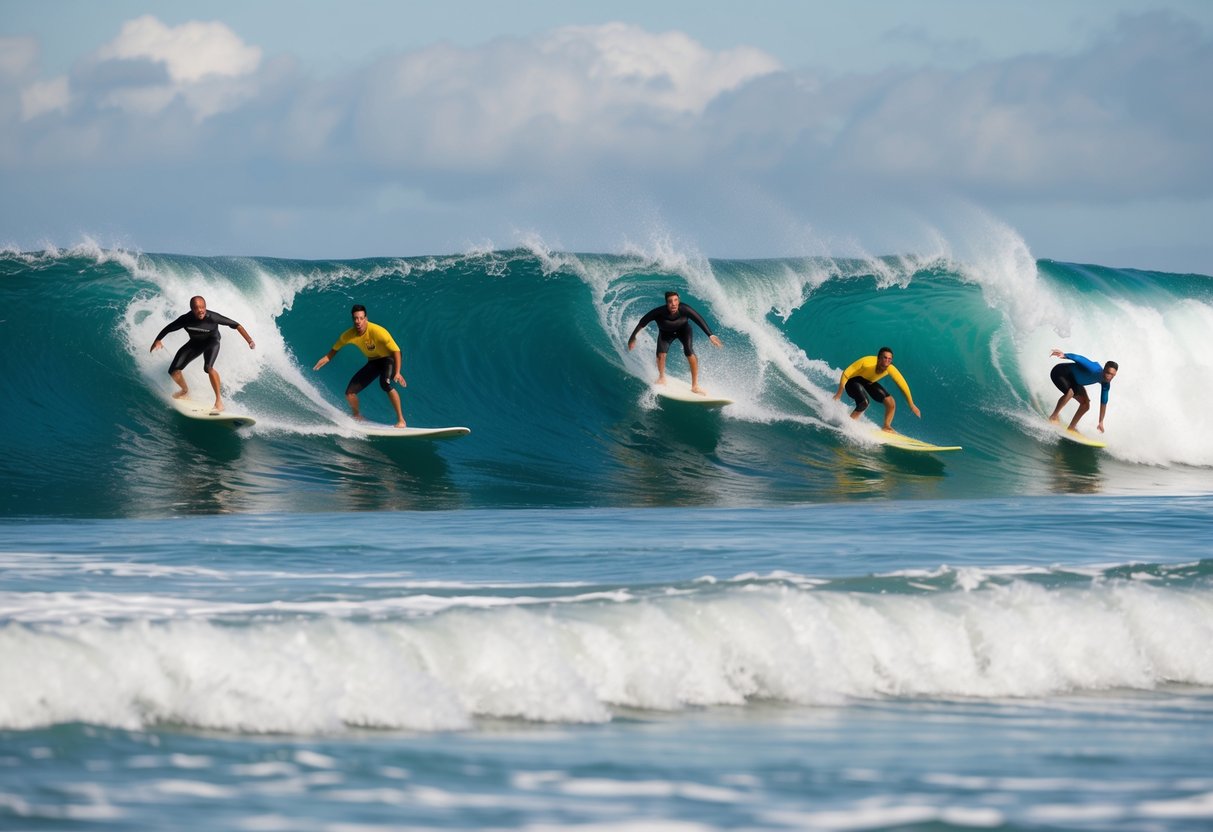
x=908 y=443
x=1076 y=437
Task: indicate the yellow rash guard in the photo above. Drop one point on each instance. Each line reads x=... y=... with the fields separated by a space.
x=376 y=342
x=865 y=368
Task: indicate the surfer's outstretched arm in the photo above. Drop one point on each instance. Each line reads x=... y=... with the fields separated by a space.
x=325 y=359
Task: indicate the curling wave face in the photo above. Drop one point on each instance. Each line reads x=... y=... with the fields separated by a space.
x=528 y=348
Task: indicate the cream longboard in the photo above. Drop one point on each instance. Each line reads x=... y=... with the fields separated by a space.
x=389 y=432
x=205 y=413
x=677 y=390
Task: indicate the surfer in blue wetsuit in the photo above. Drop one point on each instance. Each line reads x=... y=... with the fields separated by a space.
x=1071 y=378
x=202 y=327
x=674 y=321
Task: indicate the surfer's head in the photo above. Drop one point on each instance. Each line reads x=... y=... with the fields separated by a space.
x=672 y=301
x=1109 y=370
x=884 y=357
x=198 y=306
x=358 y=313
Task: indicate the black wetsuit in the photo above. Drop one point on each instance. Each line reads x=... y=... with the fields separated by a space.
x=204 y=339
x=673 y=326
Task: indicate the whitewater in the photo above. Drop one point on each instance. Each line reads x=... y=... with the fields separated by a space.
x=598 y=610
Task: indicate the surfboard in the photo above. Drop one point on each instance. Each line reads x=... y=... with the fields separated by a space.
x=907 y=443
x=1077 y=438
x=1062 y=429
x=205 y=413
x=677 y=390
x=390 y=432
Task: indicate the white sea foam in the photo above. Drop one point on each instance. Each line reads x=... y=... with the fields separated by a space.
x=37 y=607
x=576 y=662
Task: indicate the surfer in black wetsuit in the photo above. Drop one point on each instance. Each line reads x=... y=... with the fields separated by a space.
x=674 y=321
x=202 y=327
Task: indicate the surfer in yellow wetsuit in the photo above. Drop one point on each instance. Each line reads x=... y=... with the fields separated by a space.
x=383 y=361
x=860 y=381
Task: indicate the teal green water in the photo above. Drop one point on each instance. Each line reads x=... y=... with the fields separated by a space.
x=528 y=350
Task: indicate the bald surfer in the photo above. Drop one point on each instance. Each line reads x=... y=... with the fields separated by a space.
x=202 y=327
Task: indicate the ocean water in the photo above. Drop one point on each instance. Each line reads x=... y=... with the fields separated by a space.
x=597 y=611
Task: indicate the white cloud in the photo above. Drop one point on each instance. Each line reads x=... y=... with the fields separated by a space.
x=624 y=64
x=43 y=97
x=190 y=52
x=206 y=64
x=574 y=91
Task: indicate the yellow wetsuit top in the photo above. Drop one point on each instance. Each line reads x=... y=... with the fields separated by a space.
x=865 y=368
x=376 y=342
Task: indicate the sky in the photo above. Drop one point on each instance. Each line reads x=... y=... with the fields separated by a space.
x=369 y=128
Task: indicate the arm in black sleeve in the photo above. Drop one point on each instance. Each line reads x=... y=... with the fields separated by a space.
x=649 y=317
x=223 y=320
x=172 y=327
x=697 y=318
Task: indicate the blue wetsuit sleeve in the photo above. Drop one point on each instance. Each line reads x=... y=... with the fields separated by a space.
x=697 y=318
x=1084 y=362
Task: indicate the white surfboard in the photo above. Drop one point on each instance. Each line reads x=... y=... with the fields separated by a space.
x=390 y=432
x=205 y=413
x=908 y=443
x=677 y=390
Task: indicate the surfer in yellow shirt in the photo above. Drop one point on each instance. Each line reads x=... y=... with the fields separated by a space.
x=383 y=361
x=860 y=381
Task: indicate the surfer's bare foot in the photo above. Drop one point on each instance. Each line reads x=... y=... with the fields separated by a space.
x=660 y=380
x=888 y=429
x=1055 y=420
x=401 y=424
x=181 y=394
x=218 y=406
x=699 y=390
x=358 y=417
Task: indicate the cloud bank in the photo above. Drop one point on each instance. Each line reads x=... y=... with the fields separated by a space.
x=582 y=134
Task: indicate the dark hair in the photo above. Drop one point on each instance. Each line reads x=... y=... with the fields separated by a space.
x=889 y=350
x=669 y=295
x=1111 y=365
x=197 y=297
x=358 y=307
